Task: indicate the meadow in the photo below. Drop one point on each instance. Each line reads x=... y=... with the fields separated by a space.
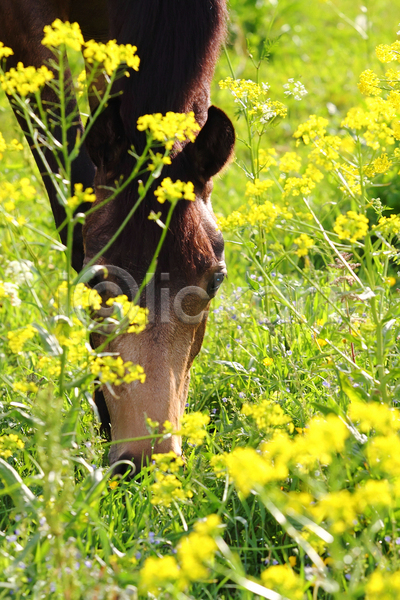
x=288 y=488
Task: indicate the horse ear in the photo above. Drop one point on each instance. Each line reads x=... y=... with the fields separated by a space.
x=213 y=146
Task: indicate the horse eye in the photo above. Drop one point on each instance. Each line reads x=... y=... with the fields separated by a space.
x=215 y=283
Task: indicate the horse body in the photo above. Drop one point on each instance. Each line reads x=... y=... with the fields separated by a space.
x=178 y=43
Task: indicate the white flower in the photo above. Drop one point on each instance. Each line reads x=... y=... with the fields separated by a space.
x=19 y=271
x=11 y=290
x=295 y=89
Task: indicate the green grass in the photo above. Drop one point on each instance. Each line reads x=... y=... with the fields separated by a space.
x=284 y=328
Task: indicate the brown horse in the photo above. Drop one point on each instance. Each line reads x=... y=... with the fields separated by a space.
x=178 y=43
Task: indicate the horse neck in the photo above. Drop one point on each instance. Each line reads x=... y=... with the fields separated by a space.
x=178 y=43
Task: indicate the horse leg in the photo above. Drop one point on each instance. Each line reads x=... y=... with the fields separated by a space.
x=21 y=28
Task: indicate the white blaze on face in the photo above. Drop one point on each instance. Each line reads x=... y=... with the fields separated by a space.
x=166 y=352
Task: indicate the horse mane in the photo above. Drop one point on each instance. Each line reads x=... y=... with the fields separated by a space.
x=178 y=43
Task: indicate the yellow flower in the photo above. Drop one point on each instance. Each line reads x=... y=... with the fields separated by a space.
x=389 y=225
x=158 y=573
x=266 y=159
x=80 y=196
x=174 y=191
x=267 y=361
x=111 y=55
x=372 y=415
x=136 y=315
x=17 y=339
x=290 y=161
x=25 y=387
x=249 y=470
x=196 y=551
x=113 y=370
x=168 y=461
x=369 y=83
x=304 y=243
x=60 y=32
x=387 y=53
x=383 y=586
x=266 y=414
x=4 y=51
x=257 y=188
x=25 y=80
x=379 y=165
x=9 y=444
x=314 y=127
x=193 y=426
x=167 y=489
x=170 y=128
x=85 y=297
x=282 y=579
x=242 y=89
x=351 y=227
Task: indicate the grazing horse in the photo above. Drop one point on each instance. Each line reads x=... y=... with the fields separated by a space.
x=178 y=42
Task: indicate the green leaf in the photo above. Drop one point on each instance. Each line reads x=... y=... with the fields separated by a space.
x=19 y=492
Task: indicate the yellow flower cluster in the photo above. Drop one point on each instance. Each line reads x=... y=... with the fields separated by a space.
x=9 y=444
x=303 y=185
x=170 y=128
x=266 y=159
x=388 y=52
x=304 y=243
x=160 y=573
x=267 y=415
x=25 y=387
x=13 y=145
x=251 y=469
x=282 y=579
x=253 y=98
x=24 y=80
x=111 y=55
x=382 y=164
x=167 y=487
x=373 y=122
x=82 y=297
x=158 y=160
x=13 y=193
x=80 y=196
x=267 y=110
x=174 y=191
x=5 y=51
x=341 y=509
x=325 y=152
x=258 y=188
x=192 y=426
x=290 y=161
x=383 y=585
x=113 y=370
x=314 y=127
x=369 y=83
x=17 y=338
x=195 y=553
x=243 y=89
x=351 y=226
x=252 y=214
x=136 y=315
x=59 y=33
x=389 y=225
x=392 y=77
